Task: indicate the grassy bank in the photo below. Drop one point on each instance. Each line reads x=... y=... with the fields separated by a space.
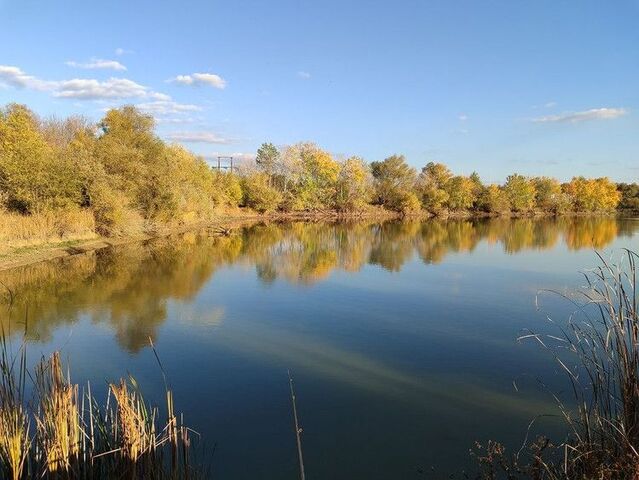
x=19 y=252
x=581 y=230
x=24 y=231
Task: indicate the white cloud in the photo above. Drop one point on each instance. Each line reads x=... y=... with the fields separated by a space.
x=199 y=79
x=304 y=75
x=121 y=51
x=81 y=88
x=550 y=104
x=176 y=120
x=463 y=117
x=198 y=137
x=91 y=89
x=97 y=64
x=167 y=107
x=592 y=114
x=15 y=77
x=160 y=96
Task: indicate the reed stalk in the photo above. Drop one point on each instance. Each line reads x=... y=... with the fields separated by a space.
x=77 y=437
x=597 y=348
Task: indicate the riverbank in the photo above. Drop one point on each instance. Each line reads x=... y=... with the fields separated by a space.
x=35 y=252
x=227 y=221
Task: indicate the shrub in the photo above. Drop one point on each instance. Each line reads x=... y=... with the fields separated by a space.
x=258 y=195
x=494 y=200
x=113 y=216
x=405 y=203
x=227 y=188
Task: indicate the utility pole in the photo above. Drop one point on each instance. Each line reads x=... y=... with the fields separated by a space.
x=221 y=158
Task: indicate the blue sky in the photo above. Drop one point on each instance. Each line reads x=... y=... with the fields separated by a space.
x=543 y=87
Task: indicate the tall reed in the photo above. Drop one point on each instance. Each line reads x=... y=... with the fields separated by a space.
x=15 y=439
x=598 y=350
x=76 y=437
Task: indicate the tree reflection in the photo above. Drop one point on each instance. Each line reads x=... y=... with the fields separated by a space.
x=130 y=288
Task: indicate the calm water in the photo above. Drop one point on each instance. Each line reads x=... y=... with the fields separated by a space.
x=401 y=336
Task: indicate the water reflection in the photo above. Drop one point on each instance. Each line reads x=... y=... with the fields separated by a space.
x=130 y=287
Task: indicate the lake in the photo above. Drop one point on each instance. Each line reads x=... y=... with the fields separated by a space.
x=401 y=336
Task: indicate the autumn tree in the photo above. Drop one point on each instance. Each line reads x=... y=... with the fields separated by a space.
x=318 y=183
x=592 y=195
x=309 y=177
x=494 y=200
x=520 y=192
x=128 y=148
x=353 y=189
x=549 y=196
x=431 y=187
x=461 y=193
x=33 y=175
x=394 y=181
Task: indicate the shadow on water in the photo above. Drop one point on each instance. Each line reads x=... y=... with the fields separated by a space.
x=128 y=288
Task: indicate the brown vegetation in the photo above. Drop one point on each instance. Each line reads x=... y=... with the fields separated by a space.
x=64 y=433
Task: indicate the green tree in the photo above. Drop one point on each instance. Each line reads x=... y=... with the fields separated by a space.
x=478 y=188
x=629 y=196
x=437 y=173
x=128 y=149
x=521 y=193
x=267 y=159
x=394 y=181
x=549 y=196
x=431 y=187
x=461 y=193
x=34 y=176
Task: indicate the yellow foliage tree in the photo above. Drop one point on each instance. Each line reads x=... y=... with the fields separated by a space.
x=592 y=195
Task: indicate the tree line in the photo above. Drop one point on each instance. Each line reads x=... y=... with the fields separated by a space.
x=304 y=177
x=129 y=180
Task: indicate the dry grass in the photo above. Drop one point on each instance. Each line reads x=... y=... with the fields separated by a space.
x=598 y=350
x=19 y=231
x=58 y=417
x=15 y=440
x=76 y=437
